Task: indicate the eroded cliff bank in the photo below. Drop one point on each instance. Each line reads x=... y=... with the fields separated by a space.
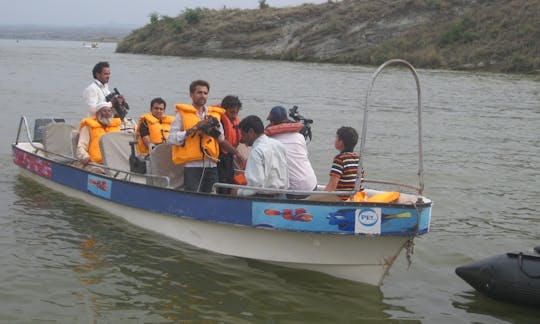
x=491 y=35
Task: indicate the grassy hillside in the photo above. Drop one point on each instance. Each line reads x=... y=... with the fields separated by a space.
x=492 y=35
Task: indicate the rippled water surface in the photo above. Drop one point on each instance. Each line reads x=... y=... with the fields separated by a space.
x=64 y=261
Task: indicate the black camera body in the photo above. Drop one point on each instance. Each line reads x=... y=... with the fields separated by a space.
x=211 y=127
x=120 y=110
x=306 y=131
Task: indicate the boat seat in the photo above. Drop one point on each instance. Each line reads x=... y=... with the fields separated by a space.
x=39 y=126
x=59 y=141
x=161 y=164
x=115 y=151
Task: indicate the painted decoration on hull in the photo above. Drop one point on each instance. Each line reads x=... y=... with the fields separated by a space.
x=32 y=163
x=365 y=220
x=99 y=186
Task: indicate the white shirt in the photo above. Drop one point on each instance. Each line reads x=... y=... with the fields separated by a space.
x=301 y=173
x=266 y=166
x=177 y=136
x=83 y=143
x=94 y=94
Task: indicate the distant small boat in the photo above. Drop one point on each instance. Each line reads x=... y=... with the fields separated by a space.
x=512 y=276
x=91 y=45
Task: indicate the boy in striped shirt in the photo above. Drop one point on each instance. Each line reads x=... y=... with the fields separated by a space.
x=343 y=172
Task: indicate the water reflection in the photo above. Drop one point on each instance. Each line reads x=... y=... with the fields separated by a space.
x=474 y=302
x=125 y=272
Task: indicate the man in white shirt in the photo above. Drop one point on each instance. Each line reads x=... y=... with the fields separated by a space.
x=99 y=88
x=301 y=174
x=266 y=166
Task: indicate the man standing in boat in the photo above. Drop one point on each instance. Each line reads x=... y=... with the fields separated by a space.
x=267 y=162
x=98 y=90
x=301 y=174
x=230 y=121
x=197 y=133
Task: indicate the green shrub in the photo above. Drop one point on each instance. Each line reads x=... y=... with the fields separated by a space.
x=192 y=16
x=458 y=33
x=154 y=18
x=263 y=4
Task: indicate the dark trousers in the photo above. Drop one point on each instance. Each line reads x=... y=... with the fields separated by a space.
x=225 y=169
x=205 y=177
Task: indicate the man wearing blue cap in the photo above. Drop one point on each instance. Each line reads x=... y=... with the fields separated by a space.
x=301 y=174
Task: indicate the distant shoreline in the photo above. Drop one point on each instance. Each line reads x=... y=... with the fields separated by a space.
x=73 y=33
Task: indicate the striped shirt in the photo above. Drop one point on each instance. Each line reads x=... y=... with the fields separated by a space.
x=345 y=167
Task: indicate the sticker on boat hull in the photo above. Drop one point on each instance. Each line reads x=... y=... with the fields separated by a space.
x=99 y=186
x=368 y=221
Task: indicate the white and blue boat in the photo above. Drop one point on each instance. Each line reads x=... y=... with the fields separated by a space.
x=355 y=240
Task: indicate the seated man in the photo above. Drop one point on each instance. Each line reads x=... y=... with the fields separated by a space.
x=90 y=131
x=301 y=174
x=153 y=128
x=266 y=166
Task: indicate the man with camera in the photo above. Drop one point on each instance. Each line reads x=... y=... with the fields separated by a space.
x=301 y=174
x=99 y=88
x=98 y=91
x=196 y=134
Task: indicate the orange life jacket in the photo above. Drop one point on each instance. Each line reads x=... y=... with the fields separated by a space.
x=196 y=143
x=158 y=130
x=96 y=130
x=232 y=132
x=283 y=128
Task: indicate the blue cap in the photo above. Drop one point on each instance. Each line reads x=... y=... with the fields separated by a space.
x=277 y=115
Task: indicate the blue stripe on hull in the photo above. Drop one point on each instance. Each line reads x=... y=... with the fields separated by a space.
x=290 y=215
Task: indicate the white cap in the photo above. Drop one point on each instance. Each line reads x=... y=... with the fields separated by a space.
x=103 y=105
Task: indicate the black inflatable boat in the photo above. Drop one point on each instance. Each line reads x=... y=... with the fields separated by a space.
x=513 y=276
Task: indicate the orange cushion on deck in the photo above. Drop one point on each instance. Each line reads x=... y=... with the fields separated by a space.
x=384 y=197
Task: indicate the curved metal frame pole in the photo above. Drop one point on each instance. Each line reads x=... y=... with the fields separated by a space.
x=364 y=124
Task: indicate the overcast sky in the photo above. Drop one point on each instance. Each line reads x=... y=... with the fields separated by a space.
x=105 y=12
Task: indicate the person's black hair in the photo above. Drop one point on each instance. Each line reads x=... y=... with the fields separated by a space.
x=348 y=136
x=99 y=67
x=252 y=122
x=231 y=101
x=196 y=83
x=158 y=100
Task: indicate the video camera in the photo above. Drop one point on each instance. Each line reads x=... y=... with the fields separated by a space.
x=120 y=109
x=306 y=131
x=210 y=126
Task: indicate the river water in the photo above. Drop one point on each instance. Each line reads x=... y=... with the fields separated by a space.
x=62 y=261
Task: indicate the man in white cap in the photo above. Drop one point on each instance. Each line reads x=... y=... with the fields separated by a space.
x=90 y=131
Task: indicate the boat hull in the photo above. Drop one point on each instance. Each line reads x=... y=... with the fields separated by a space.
x=513 y=277
x=323 y=237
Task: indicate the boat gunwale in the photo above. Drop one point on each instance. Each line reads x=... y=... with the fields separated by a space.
x=426 y=202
